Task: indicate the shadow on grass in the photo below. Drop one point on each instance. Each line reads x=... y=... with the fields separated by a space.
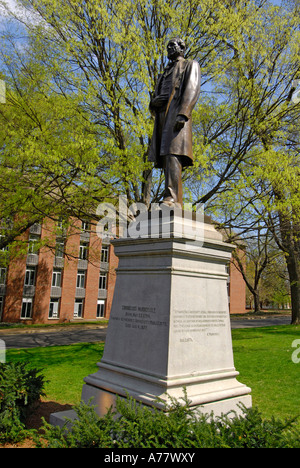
x=262 y=332
x=43 y=357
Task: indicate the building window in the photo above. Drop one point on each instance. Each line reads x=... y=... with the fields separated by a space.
x=1 y=305
x=100 y=308
x=80 y=279
x=56 y=278
x=104 y=254
x=54 y=308
x=102 y=281
x=2 y=238
x=26 y=308
x=83 y=250
x=59 y=248
x=2 y=276
x=30 y=276
x=85 y=226
x=78 y=308
x=33 y=244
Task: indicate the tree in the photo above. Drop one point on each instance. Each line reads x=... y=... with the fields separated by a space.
x=49 y=157
x=255 y=256
x=112 y=54
x=275 y=287
x=253 y=138
x=103 y=58
x=78 y=91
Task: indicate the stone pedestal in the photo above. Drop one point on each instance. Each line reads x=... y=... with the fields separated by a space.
x=169 y=326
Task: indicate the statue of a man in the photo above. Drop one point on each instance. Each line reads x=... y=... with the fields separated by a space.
x=175 y=96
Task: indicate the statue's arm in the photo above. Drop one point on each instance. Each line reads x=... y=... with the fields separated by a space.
x=190 y=90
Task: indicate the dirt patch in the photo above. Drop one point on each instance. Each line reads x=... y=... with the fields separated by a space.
x=43 y=409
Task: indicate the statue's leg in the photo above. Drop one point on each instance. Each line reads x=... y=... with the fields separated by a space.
x=173 y=181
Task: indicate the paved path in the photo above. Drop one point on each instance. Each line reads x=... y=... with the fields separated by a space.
x=17 y=338
x=53 y=338
x=261 y=322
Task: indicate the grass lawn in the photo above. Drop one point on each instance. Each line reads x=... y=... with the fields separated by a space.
x=263 y=356
x=63 y=366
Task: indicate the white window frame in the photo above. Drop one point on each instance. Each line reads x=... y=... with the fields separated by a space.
x=105 y=254
x=30 y=276
x=60 y=248
x=28 y=309
x=53 y=309
x=56 y=278
x=2 y=276
x=32 y=248
x=1 y=306
x=83 y=250
x=78 y=308
x=85 y=226
x=80 y=281
x=4 y=249
x=100 y=308
x=103 y=281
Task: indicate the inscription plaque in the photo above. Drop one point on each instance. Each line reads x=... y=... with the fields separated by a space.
x=139 y=317
x=208 y=322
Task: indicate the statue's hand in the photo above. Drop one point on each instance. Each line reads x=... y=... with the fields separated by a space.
x=180 y=121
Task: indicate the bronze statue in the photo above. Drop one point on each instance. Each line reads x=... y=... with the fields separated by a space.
x=176 y=93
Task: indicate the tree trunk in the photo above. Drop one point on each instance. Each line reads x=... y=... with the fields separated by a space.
x=253 y=289
x=256 y=301
x=289 y=234
x=293 y=266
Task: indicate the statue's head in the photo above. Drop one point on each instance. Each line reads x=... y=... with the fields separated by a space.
x=176 y=47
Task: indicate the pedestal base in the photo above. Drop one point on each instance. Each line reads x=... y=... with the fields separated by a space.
x=169 y=327
x=231 y=406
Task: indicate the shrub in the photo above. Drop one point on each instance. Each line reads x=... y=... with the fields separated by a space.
x=134 y=426
x=20 y=388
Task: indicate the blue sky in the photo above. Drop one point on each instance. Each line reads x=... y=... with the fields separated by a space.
x=12 y=4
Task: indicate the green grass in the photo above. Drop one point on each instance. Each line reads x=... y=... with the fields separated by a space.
x=263 y=356
x=63 y=366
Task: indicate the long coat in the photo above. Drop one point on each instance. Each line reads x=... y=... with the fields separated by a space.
x=184 y=95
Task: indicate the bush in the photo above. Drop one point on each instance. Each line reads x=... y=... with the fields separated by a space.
x=134 y=426
x=20 y=388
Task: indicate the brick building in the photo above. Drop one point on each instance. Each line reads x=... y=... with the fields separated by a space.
x=73 y=281
x=236 y=290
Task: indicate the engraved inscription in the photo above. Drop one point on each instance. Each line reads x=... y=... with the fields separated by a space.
x=208 y=322
x=139 y=317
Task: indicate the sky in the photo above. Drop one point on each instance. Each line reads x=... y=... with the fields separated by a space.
x=13 y=5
